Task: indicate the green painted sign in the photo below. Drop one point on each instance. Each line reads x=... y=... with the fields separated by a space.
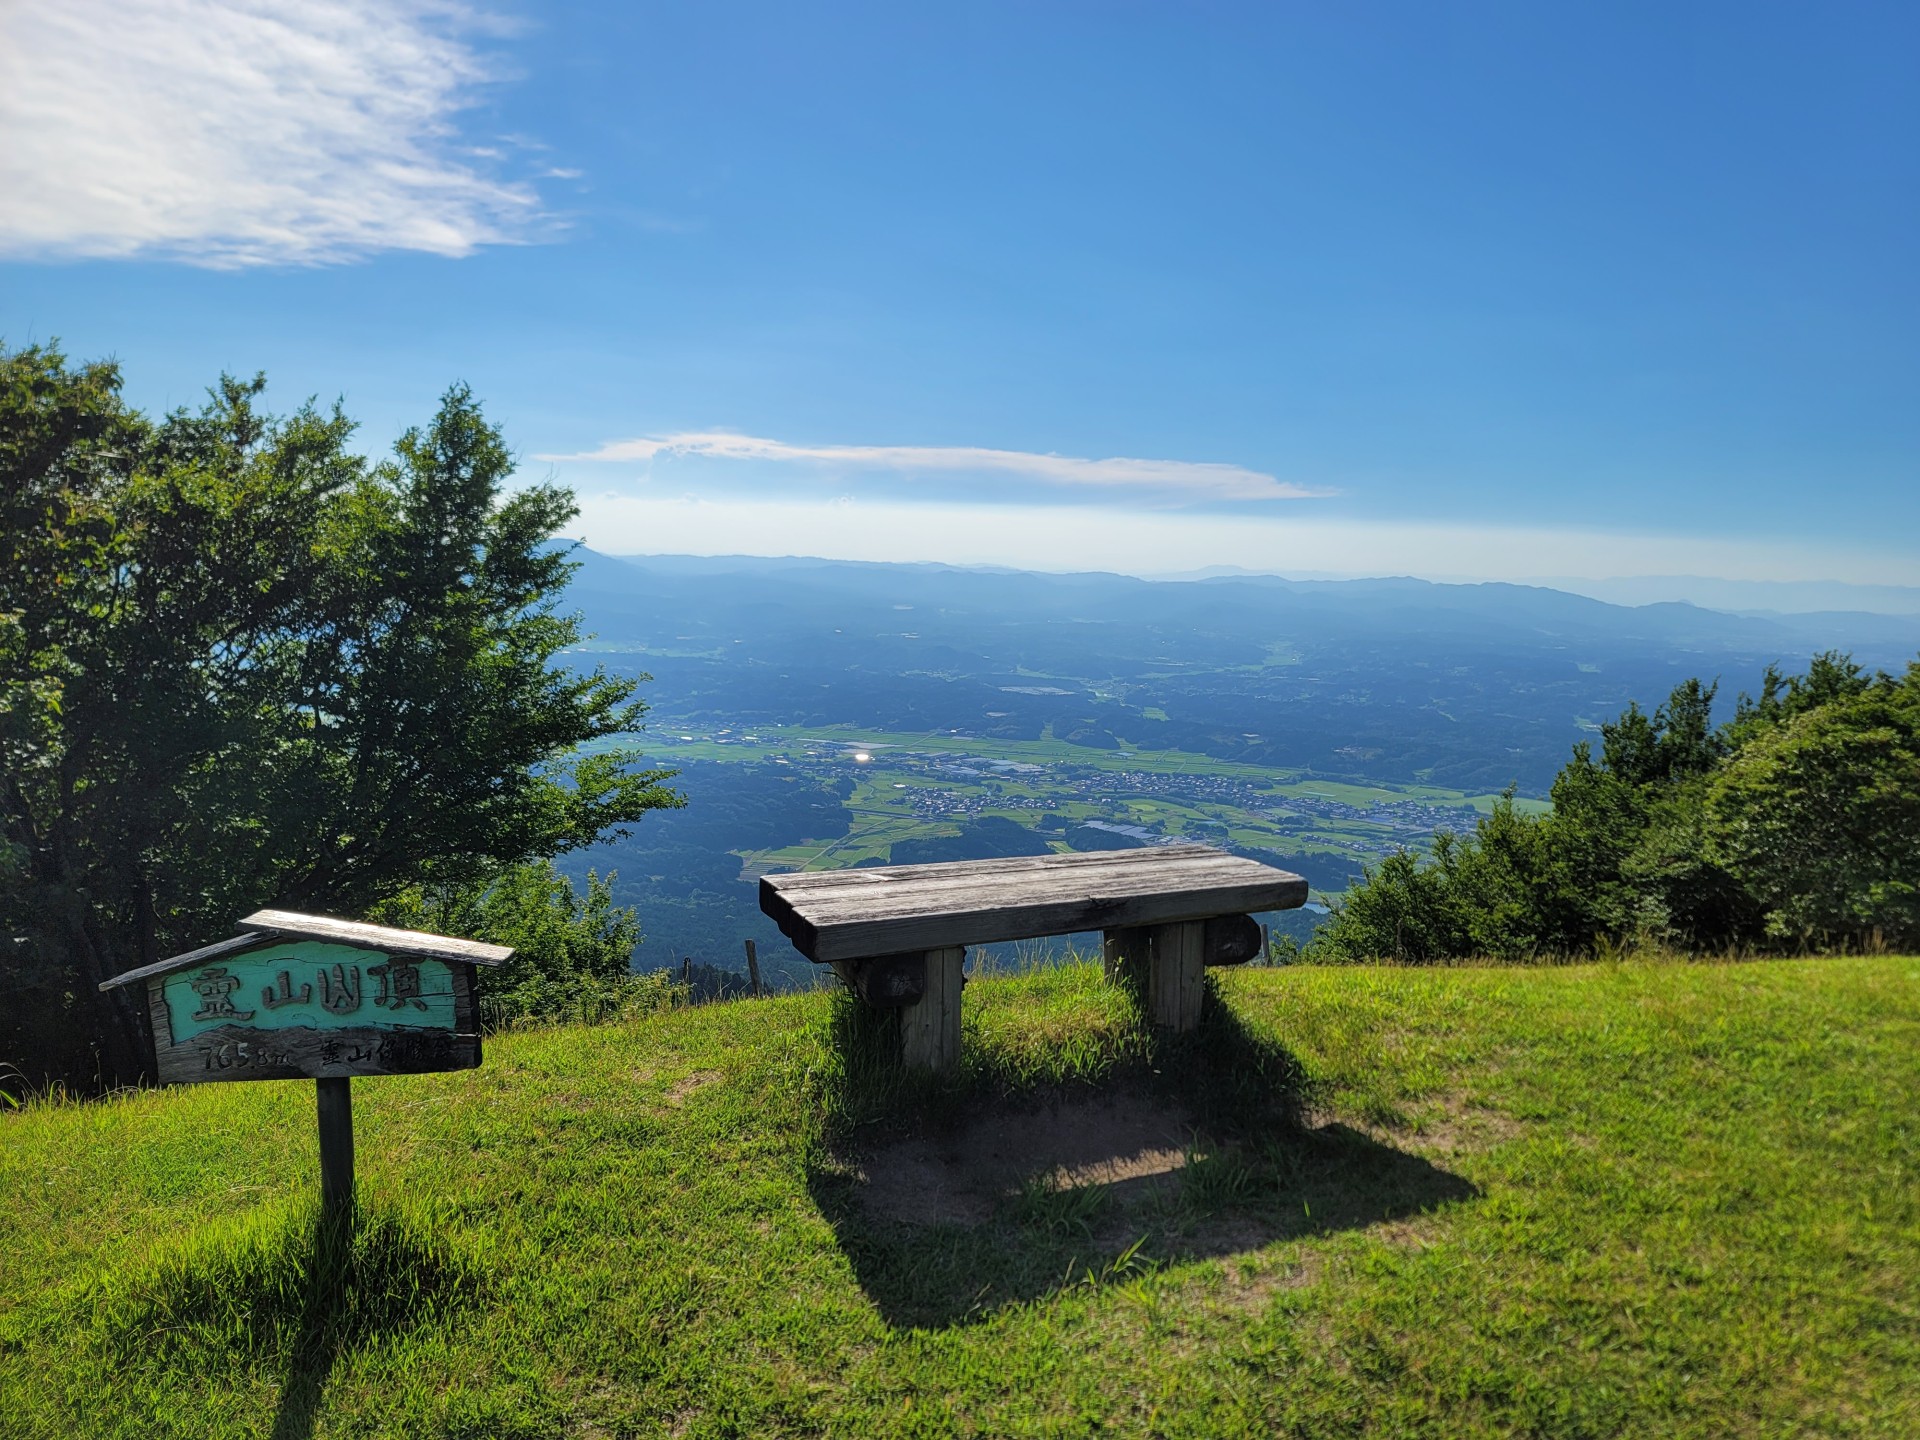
x=288 y=1008
x=311 y=985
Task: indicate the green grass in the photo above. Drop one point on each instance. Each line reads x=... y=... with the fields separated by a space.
x=1631 y=1199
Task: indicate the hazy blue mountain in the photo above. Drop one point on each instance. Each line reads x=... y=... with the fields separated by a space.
x=1777 y=597
x=1471 y=686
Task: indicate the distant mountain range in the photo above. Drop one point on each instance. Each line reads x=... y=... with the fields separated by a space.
x=1765 y=597
x=1371 y=711
x=1740 y=597
x=1468 y=685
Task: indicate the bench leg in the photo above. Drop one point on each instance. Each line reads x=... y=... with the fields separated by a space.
x=1166 y=966
x=930 y=1029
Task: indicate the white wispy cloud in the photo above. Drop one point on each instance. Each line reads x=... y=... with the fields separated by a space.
x=1199 y=480
x=245 y=132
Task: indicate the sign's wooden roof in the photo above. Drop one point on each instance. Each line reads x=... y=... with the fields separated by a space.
x=854 y=914
x=269 y=927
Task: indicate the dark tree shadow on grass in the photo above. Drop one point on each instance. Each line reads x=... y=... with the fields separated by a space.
x=318 y=1336
x=956 y=1198
x=294 y=1299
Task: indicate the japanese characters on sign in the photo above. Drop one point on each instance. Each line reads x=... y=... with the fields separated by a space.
x=297 y=1008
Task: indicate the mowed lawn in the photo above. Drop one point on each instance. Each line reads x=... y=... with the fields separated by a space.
x=1634 y=1199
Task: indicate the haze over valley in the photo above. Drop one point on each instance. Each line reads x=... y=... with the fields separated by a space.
x=828 y=713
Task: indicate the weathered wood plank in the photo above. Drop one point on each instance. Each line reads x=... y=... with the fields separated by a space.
x=930 y=1029
x=964 y=890
x=885 y=887
x=1166 y=966
x=377 y=937
x=335 y=1097
x=266 y=927
x=238 y=1052
x=847 y=915
x=159 y=1021
x=886 y=982
x=1176 y=975
x=1233 y=939
x=230 y=946
x=883 y=875
x=1123 y=867
x=1185 y=901
x=466 y=1012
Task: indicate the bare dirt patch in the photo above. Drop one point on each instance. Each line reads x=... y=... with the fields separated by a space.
x=1250 y=1291
x=1453 y=1125
x=1411 y=1234
x=687 y=1084
x=961 y=1177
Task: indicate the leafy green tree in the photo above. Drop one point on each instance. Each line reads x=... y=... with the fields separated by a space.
x=1621 y=857
x=1677 y=742
x=1830 y=677
x=1676 y=891
x=1819 y=812
x=1597 y=817
x=146 y=586
x=1798 y=821
x=1405 y=910
x=573 y=952
x=1502 y=883
x=239 y=666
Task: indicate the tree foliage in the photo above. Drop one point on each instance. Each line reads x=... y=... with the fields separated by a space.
x=572 y=952
x=241 y=665
x=1797 y=822
x=1819 y=816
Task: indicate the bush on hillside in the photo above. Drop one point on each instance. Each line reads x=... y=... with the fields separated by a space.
x=572 y=952
x=1819 y=818
x=1795 y=823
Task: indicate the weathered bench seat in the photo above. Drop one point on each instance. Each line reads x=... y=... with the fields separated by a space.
x=897 y=934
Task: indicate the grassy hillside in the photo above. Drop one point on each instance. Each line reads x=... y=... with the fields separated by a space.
x=1597 y=1201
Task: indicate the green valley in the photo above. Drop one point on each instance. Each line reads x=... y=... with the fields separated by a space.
x=776 y=797
x=919 y=787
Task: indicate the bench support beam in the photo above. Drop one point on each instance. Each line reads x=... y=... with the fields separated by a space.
x=930 y=1028
x=1166 y=966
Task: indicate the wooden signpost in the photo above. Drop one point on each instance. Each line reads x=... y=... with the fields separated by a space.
x=305 y=996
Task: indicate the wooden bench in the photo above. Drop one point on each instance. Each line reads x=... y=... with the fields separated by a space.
x=898 y=934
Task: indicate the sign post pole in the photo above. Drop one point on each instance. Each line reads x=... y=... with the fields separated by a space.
x=336 y=1145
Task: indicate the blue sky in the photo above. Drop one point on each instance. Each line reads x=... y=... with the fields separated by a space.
x=1476 y=290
